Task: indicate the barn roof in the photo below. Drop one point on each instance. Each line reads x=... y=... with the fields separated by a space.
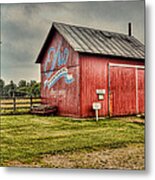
x=93 y=41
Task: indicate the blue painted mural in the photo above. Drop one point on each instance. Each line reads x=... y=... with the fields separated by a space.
x=60 y=59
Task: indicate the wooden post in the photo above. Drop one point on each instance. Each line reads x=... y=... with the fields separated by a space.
x=14 y=103
x=31 y=102
x=96 y=112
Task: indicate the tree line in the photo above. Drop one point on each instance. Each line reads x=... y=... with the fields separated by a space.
x=23 y=88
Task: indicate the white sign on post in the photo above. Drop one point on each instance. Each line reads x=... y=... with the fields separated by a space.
x=96 y=107
x=100 y=91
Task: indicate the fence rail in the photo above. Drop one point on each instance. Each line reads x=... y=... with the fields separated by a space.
x=18 y=97
x=15 y=103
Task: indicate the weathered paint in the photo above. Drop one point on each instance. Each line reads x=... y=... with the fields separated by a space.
x=93 y=76
x=122 y=98
x=69 y=80
x=60 y=77
x=141 y=90
x=123 y=91
x=76 y=61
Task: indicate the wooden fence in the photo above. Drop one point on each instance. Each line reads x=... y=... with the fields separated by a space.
x=18 y=104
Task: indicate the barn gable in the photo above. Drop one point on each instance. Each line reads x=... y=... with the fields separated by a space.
x=93 y=41
x=60 y=76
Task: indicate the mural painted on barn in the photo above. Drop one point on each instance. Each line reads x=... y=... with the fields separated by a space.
x=56 y=56
x=60 y=70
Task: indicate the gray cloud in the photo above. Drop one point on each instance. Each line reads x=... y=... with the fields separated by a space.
x=25 y=27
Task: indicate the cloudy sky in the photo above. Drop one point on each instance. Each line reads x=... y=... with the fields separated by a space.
x=24 y=28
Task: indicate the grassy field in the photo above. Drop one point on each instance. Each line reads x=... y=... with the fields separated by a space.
x=33 y=141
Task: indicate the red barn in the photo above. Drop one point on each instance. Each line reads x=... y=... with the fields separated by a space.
x=80 y=66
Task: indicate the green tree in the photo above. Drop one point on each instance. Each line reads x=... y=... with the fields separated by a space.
x=22 y=83
x=32 y=82
x=12 y=88
x=2 y=84
x=35 y=90
x=24 y=88
x=9 y=89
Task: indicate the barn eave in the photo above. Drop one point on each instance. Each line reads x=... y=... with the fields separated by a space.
x=97 y=42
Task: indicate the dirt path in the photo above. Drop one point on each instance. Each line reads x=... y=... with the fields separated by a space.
x=122 y=158
x=131 y=157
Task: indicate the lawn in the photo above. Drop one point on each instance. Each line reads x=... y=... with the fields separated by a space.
x=34 y=141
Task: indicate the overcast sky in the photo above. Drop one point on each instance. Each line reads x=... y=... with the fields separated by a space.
x=24 y=28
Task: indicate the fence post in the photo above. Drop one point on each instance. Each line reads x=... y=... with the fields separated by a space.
x=31 y=102
x=14 y=103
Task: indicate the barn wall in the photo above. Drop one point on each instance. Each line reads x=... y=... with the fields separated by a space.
x=94 y=75
x=141 y=91
x=60 y=77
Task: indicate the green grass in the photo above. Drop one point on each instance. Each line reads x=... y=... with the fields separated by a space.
x=26 y=138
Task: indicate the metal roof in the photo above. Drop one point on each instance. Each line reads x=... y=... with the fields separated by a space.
x=89 y=40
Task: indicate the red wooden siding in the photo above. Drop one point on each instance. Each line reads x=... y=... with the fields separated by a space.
x=94 y=75
x=122 y=91
x=61 y=93
x=76 y=61
x=141 y=90
x=89 y=73
x=126 y=90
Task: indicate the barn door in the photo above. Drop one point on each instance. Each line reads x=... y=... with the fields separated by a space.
x=126 y=89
